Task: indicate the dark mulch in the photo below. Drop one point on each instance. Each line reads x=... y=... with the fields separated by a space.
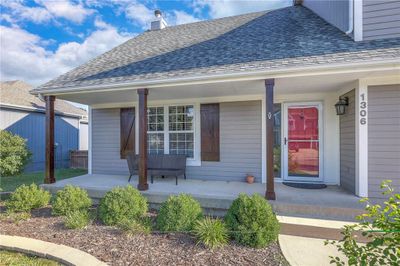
x=109 y=245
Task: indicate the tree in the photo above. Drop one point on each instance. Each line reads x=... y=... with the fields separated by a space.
x=14 y=153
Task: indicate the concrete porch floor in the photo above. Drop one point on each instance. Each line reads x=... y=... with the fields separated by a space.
x=216 y=196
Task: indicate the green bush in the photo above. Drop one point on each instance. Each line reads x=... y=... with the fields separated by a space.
x=26 y=198
x=77 y=219
x=71 y=199
x=134 y=227
x=212 y=233
x=122 y=203
x=14 y=154
x=381 y=226
x=179 y=213
x=252 y=221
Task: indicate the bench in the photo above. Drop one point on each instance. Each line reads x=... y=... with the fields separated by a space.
x=159 y=165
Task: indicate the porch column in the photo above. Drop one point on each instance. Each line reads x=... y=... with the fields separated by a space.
x=49 y=169
x=143 y=185
x=269 y=108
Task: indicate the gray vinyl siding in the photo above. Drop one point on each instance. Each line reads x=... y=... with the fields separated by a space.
x=31 y=126
x=383 y=137
x=240 y=144
x=381 y=19
x=347 y=145
x=335 y=12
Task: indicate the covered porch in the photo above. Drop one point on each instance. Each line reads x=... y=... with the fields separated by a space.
x=216 y=196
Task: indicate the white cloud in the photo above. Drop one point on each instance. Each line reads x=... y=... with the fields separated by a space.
x=181 y=17
x=140 y=14
x=21 y=12
x=24 y=57
x=225 y=8
x=66 y=9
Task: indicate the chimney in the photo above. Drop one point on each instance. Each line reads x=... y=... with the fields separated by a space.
x=297 y=2
x=159 y=23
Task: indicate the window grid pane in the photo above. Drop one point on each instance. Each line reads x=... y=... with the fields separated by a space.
x=181 y=136
x=155 y=119
x=155 y=143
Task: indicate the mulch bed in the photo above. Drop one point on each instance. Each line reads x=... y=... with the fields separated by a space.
x=109 y=245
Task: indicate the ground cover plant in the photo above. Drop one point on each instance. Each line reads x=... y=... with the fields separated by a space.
x=179 y=214
x=77 y=219
x=251 y=221
x=381 y=225
x=212 y=233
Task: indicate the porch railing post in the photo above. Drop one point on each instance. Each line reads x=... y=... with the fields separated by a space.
x=49 y=124
x=143 y=185
x=269 y=108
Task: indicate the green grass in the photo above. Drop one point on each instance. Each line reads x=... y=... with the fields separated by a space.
x=10 y=183
x=8 y=258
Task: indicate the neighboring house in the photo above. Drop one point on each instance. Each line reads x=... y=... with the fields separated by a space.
x=213 y=88
x=24 y=114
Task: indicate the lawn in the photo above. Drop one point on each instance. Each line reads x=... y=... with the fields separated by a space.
x=14 y=258
x=10 y=183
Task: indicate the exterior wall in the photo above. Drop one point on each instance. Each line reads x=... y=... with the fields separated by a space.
x=381 y=19
x=347 y=145
x=31 y=126
x=383 y=137
x=240 y=140
x=336 y=12
x=83 y=136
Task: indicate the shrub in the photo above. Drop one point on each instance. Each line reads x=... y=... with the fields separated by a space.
x=122 y=203
x=212 y=233
x=381 y=226
x=71 y=199
x=14 y=154
x=26 y=198
x=252 y=221
x=77 y=219
x=134 y=227
x=179 y=213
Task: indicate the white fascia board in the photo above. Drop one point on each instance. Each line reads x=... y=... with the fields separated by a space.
x=238 y=76
x=37 y=110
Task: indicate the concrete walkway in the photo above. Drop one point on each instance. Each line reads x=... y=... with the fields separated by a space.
x=60 y=253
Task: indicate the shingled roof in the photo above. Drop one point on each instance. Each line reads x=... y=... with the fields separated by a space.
x=279 y=39
x=16 y=93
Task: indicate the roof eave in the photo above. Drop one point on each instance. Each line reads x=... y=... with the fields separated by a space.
x=287 y=72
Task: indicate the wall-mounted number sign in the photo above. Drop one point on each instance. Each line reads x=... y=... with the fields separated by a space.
x=363 y=109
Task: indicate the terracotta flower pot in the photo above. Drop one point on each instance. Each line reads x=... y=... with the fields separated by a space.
x=250 y=179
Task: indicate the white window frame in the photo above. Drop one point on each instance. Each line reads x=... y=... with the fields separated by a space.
x=195 y=161
x=157 y=132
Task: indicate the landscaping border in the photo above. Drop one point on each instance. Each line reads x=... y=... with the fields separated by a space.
x=59 y=253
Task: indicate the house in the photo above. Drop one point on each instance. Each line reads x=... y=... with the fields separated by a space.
x=24 y=114
x=319 y=85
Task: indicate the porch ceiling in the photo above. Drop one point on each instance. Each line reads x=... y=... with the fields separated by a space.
x=311 y=83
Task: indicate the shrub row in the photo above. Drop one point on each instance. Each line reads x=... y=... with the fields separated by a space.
x=250 y=219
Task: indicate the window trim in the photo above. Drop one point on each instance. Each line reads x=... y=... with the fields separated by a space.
x=195 y=161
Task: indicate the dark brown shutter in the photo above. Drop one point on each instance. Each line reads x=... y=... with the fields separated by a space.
x=209 y=132
x=127 y=136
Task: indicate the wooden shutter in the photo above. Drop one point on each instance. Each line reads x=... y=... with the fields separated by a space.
x=209 y=132
x=127 y=132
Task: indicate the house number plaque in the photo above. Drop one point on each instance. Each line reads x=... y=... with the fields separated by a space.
x=363 y=109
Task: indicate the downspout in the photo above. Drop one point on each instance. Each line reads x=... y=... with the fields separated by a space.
x=351 y=17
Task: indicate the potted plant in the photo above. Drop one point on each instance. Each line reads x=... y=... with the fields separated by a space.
x=249 y=179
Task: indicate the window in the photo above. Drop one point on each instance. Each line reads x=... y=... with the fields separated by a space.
x=171 y=130
x=181 y=130
x=155 y=130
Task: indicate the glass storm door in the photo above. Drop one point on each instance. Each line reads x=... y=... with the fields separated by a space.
x=302 y=146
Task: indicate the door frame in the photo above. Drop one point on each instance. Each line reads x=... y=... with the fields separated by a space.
x=284 y=151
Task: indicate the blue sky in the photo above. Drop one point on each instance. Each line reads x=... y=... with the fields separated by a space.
x=41 y=39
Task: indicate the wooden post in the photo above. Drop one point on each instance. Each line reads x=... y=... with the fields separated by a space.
x=143 y=185
x=269 y=108
x=49 y=174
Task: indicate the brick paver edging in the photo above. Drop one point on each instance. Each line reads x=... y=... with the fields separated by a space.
x=60 y=253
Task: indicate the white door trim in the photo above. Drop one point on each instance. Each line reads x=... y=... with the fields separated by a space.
x=285 y=167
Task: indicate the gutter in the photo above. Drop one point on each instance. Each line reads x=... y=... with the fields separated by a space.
x=224 y=77
x=37 y=110
x=351 y=17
